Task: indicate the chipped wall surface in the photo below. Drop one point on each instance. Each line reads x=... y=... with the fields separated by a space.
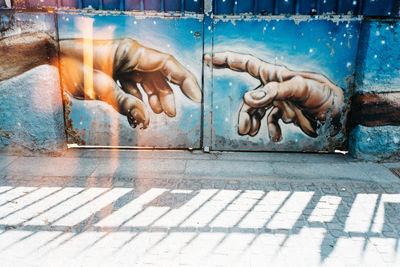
x=30 y=103
x=374 y=132
x=375 y=143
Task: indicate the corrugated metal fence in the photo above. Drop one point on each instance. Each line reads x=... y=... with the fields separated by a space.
x=229 y=7
x=307 y=7
x=124 y=5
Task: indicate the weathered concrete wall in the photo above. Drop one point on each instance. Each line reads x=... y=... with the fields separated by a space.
x=375 y=132
x=31 y=106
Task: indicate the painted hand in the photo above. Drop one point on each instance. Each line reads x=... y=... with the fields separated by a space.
x=129 y=63
x=305 y=99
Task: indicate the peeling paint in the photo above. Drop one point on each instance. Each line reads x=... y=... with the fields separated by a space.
x=295 y=18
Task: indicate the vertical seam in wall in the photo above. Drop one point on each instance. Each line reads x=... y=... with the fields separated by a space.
x=202 y=84
x=339 y=4
x=212 y=83
x=357 y=56
x=59 y=75
x=349 y=120
x=162 y=5
x=360 y=7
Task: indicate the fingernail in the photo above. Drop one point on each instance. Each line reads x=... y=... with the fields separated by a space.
x=274 y=136
x=257 y=95
x=207 y=58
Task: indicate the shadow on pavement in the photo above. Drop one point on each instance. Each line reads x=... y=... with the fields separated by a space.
x=203 y=221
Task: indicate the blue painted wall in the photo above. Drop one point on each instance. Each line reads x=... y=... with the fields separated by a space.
x=378 y=72
x=379 y=57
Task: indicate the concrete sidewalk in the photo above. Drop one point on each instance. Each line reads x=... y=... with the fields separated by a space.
x=178 y=164
x=172 y=208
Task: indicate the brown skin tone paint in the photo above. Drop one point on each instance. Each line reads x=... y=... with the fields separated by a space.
x=301 y=98
x=95 y=78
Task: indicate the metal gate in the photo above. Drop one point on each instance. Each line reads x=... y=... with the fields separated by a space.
x=219 y=75
x=145 y=87
x=283 y=82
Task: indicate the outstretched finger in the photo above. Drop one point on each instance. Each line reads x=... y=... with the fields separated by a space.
x=174 y=72
x=257 y=68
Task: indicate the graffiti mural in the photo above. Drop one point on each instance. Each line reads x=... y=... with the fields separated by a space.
x=135 y=79
x=301 y=98
x=129 y=63
x=284 y=84
x=146 y=69
x=128 y=84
